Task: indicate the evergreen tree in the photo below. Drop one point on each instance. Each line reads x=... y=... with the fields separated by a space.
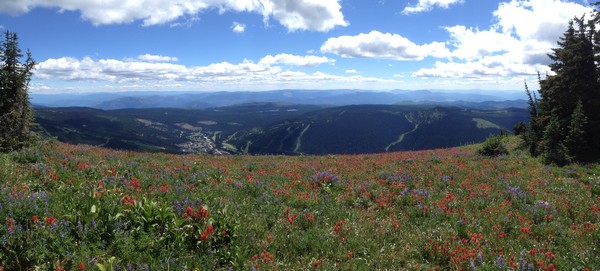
x=576 y=140
x=555 y=150
x=533 y=134
x=568 y=94
x=15 y=113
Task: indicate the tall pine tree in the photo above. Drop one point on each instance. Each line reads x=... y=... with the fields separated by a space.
x=567 y=118
x=15 y=113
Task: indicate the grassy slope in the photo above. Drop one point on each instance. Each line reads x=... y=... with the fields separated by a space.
x=77 y=206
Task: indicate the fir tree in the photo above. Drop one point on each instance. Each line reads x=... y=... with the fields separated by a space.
x=533 y=134
x=576 y=140
x=554 y=149
x=567 y=94
x=15 y=113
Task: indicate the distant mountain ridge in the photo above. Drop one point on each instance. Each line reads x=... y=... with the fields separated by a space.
x=361 y=129
x=278 y=128
x=202 y=100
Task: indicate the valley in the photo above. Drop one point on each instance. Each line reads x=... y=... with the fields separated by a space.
x=278 y=128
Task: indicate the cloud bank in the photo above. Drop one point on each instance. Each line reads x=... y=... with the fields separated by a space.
x=314 y=15
x=382 y=45
x=517 y=44
x=268 y=71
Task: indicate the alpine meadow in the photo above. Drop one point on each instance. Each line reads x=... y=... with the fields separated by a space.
x=301 y=178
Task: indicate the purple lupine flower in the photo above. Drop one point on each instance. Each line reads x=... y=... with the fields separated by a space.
x=324 y=177
x=514 y=192
x=420 y=192
x=522 y=262
x=404 y=192
x=446 y=179
x=500 y=262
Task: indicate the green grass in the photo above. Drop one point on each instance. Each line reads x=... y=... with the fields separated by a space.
x=485 y=124
x=76 y=207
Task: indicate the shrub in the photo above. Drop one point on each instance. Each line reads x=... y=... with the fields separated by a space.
x=493 y=146
x=29 y=155
x=520 y=128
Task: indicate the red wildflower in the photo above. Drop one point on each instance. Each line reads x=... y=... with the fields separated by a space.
x=207 y=232
x=338 y=226
x=128 y=200
x=189 y=212
x=290 y=218
x=51 y=220
x=203 y=212
x=11 y=223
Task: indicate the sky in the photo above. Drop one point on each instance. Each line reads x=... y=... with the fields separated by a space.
x=229 y=45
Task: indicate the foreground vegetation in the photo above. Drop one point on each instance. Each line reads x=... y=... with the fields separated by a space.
x=68 y=207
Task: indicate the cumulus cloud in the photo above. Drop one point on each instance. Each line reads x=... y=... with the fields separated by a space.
x=319 y=15
x=382 y=45
x=314 y=15
x=294 y=60
x=472 y=43
x=427 y=5
x=516 y=45
x=540 y=20
x=494 y=66
x=156 y=58
x=266 y=72
x=352 y=71
x=238 y=27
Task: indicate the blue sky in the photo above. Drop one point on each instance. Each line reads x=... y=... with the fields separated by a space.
x=210 y=45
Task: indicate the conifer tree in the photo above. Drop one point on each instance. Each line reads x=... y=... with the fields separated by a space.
x=576 y=140
x=15 y=113
x=533 y=134
x=568 y=94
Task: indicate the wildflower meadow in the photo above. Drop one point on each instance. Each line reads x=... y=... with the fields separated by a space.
x=77 y=207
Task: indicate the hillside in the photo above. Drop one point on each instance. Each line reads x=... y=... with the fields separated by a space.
x=275 y=128
x=379 y=128
x=159 y=129
x=79 y=207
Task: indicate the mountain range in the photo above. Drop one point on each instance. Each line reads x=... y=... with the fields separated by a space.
x=309 y=97
x=317 y=122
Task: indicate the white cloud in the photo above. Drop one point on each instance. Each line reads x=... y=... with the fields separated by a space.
x=517 y=45
x=541 y=20
x=294 y=60
x=319 y=15
x=238 y=27
x=156 y=58
x=352 y=71
x=264 y=74
x=427 y=5
x=474 y=44
x=379 y=45
x=494 y=66
x=315 y=15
